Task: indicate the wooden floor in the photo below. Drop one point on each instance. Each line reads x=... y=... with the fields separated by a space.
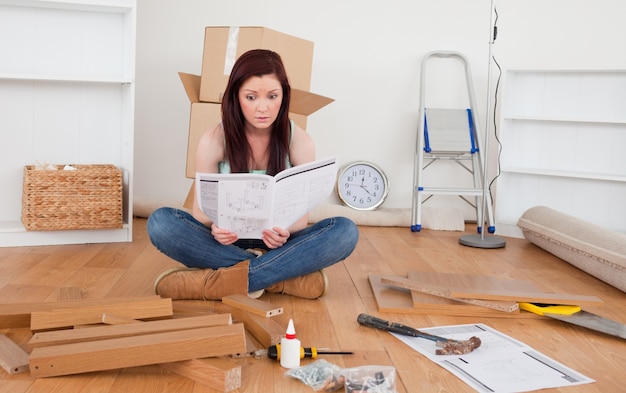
x=36 y=274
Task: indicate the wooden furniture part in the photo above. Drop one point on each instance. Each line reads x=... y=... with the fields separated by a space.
x=110 y=319
x=136 y=351
x=17 y=315
x=217 y=373
x=393 y=299
x=266 y=331
x=71 y=76
x=442 y=291
x=563 y=134
x=255 y=306
x=13 y=359
x=68 y=317
x=68 y=336
x=521 y=296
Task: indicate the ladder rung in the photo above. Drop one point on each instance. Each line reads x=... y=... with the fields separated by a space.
x=450 y=191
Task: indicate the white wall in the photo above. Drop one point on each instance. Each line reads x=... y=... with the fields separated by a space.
x=367 y=57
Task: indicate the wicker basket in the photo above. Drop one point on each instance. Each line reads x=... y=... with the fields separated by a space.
x=89 y=197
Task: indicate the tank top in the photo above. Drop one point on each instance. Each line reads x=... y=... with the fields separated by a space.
x=224 y=167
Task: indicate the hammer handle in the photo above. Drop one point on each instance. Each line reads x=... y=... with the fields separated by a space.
x=378 y=323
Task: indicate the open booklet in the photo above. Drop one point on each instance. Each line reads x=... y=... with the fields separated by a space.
x=247 y=203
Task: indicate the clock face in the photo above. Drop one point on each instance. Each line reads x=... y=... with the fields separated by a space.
x=362 y=186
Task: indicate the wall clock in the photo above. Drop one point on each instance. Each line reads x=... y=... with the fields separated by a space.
x=362 y=185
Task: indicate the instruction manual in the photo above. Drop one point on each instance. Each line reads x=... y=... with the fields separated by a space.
x=247 y=203
x=500 y=365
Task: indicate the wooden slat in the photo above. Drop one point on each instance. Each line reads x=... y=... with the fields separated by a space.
x=58 y=337
x=137 y=351
x=404 y=282
x=17 y=315
x=110 y=319
x=217 y=373
x=255 y=306
x=265 y=330
x=67 y=317
x=399 y=300
x=13 y=359
x=530 y=297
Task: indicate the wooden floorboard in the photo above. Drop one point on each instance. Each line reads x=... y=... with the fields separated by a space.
x=121 y=270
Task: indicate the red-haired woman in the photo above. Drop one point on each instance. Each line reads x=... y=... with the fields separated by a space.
x=255 y=135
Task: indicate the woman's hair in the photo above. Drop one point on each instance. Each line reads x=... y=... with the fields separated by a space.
x=256 y=62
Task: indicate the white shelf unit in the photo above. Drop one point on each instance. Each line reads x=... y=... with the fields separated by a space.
x=563 y=135
x=67 y=96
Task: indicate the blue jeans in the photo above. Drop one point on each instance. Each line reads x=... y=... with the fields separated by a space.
x=180 y=236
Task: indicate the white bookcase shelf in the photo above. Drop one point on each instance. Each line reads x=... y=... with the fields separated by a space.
x=563 y=137
x=67 y=93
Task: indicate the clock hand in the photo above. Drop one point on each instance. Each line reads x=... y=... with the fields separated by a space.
x=366 y=190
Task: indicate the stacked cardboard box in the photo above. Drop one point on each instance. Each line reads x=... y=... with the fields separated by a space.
x=222 y=46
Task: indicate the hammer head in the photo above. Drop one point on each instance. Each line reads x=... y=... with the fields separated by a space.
x=455 y=347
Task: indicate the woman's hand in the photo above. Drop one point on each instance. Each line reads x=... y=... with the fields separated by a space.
x=275 y=237
x=223 y=236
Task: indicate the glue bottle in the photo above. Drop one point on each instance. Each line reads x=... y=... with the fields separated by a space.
x=290 y=348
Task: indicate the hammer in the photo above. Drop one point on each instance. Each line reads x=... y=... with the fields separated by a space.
x=446 y=346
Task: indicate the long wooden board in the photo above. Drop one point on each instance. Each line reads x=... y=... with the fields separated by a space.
x=84 y=315
x=523 y=296
x=137 y=351
x=265 y=330
x=17 y=315
x=399 y=300
x=68 y=336
x=441 y=291
x=255 y=306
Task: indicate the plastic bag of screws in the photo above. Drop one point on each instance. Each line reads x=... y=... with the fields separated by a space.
x=370 y=379
x=321 y=376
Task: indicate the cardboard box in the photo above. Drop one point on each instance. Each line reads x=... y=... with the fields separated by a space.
x=223 y=45
x=205 y=114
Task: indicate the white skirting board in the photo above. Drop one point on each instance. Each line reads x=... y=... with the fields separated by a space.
x=435 y=218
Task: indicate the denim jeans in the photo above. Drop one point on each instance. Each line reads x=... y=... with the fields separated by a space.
x=180 y=236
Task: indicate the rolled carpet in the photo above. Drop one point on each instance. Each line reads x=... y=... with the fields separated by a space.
x=598 y=251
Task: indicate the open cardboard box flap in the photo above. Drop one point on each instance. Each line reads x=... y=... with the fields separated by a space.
x=302 y=102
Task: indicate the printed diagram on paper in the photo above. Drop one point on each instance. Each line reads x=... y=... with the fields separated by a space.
x=500 y=365
x=247 y=203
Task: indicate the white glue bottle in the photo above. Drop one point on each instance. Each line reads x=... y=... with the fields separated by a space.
x=290 y=348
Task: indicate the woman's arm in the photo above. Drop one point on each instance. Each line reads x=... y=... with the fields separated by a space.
x=301 y=151
x=209 y=153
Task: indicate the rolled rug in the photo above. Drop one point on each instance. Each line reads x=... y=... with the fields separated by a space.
x=598 y=251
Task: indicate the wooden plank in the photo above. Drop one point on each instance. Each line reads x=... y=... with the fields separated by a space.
x=67 y=317
x=399 y=300
x=217 y=373
x=137 y=351
x=255 y=306
x=252 y=345
x=404 y=282
x=530 y=297
x=110 y=319
x=482 y=287
x=17 y=315
x=266 y=331
x=58 y=337
x=13 y=359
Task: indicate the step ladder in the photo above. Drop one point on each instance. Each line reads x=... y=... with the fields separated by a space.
x=449 y=134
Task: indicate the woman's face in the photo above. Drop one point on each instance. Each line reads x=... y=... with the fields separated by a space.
x=260 y=99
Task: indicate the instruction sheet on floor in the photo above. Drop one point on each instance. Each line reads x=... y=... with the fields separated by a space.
x=500 y=365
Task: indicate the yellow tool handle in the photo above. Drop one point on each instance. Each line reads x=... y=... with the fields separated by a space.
x=541 y=309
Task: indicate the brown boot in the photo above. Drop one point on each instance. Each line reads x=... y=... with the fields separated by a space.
x=203 y=284
x=311 y=286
